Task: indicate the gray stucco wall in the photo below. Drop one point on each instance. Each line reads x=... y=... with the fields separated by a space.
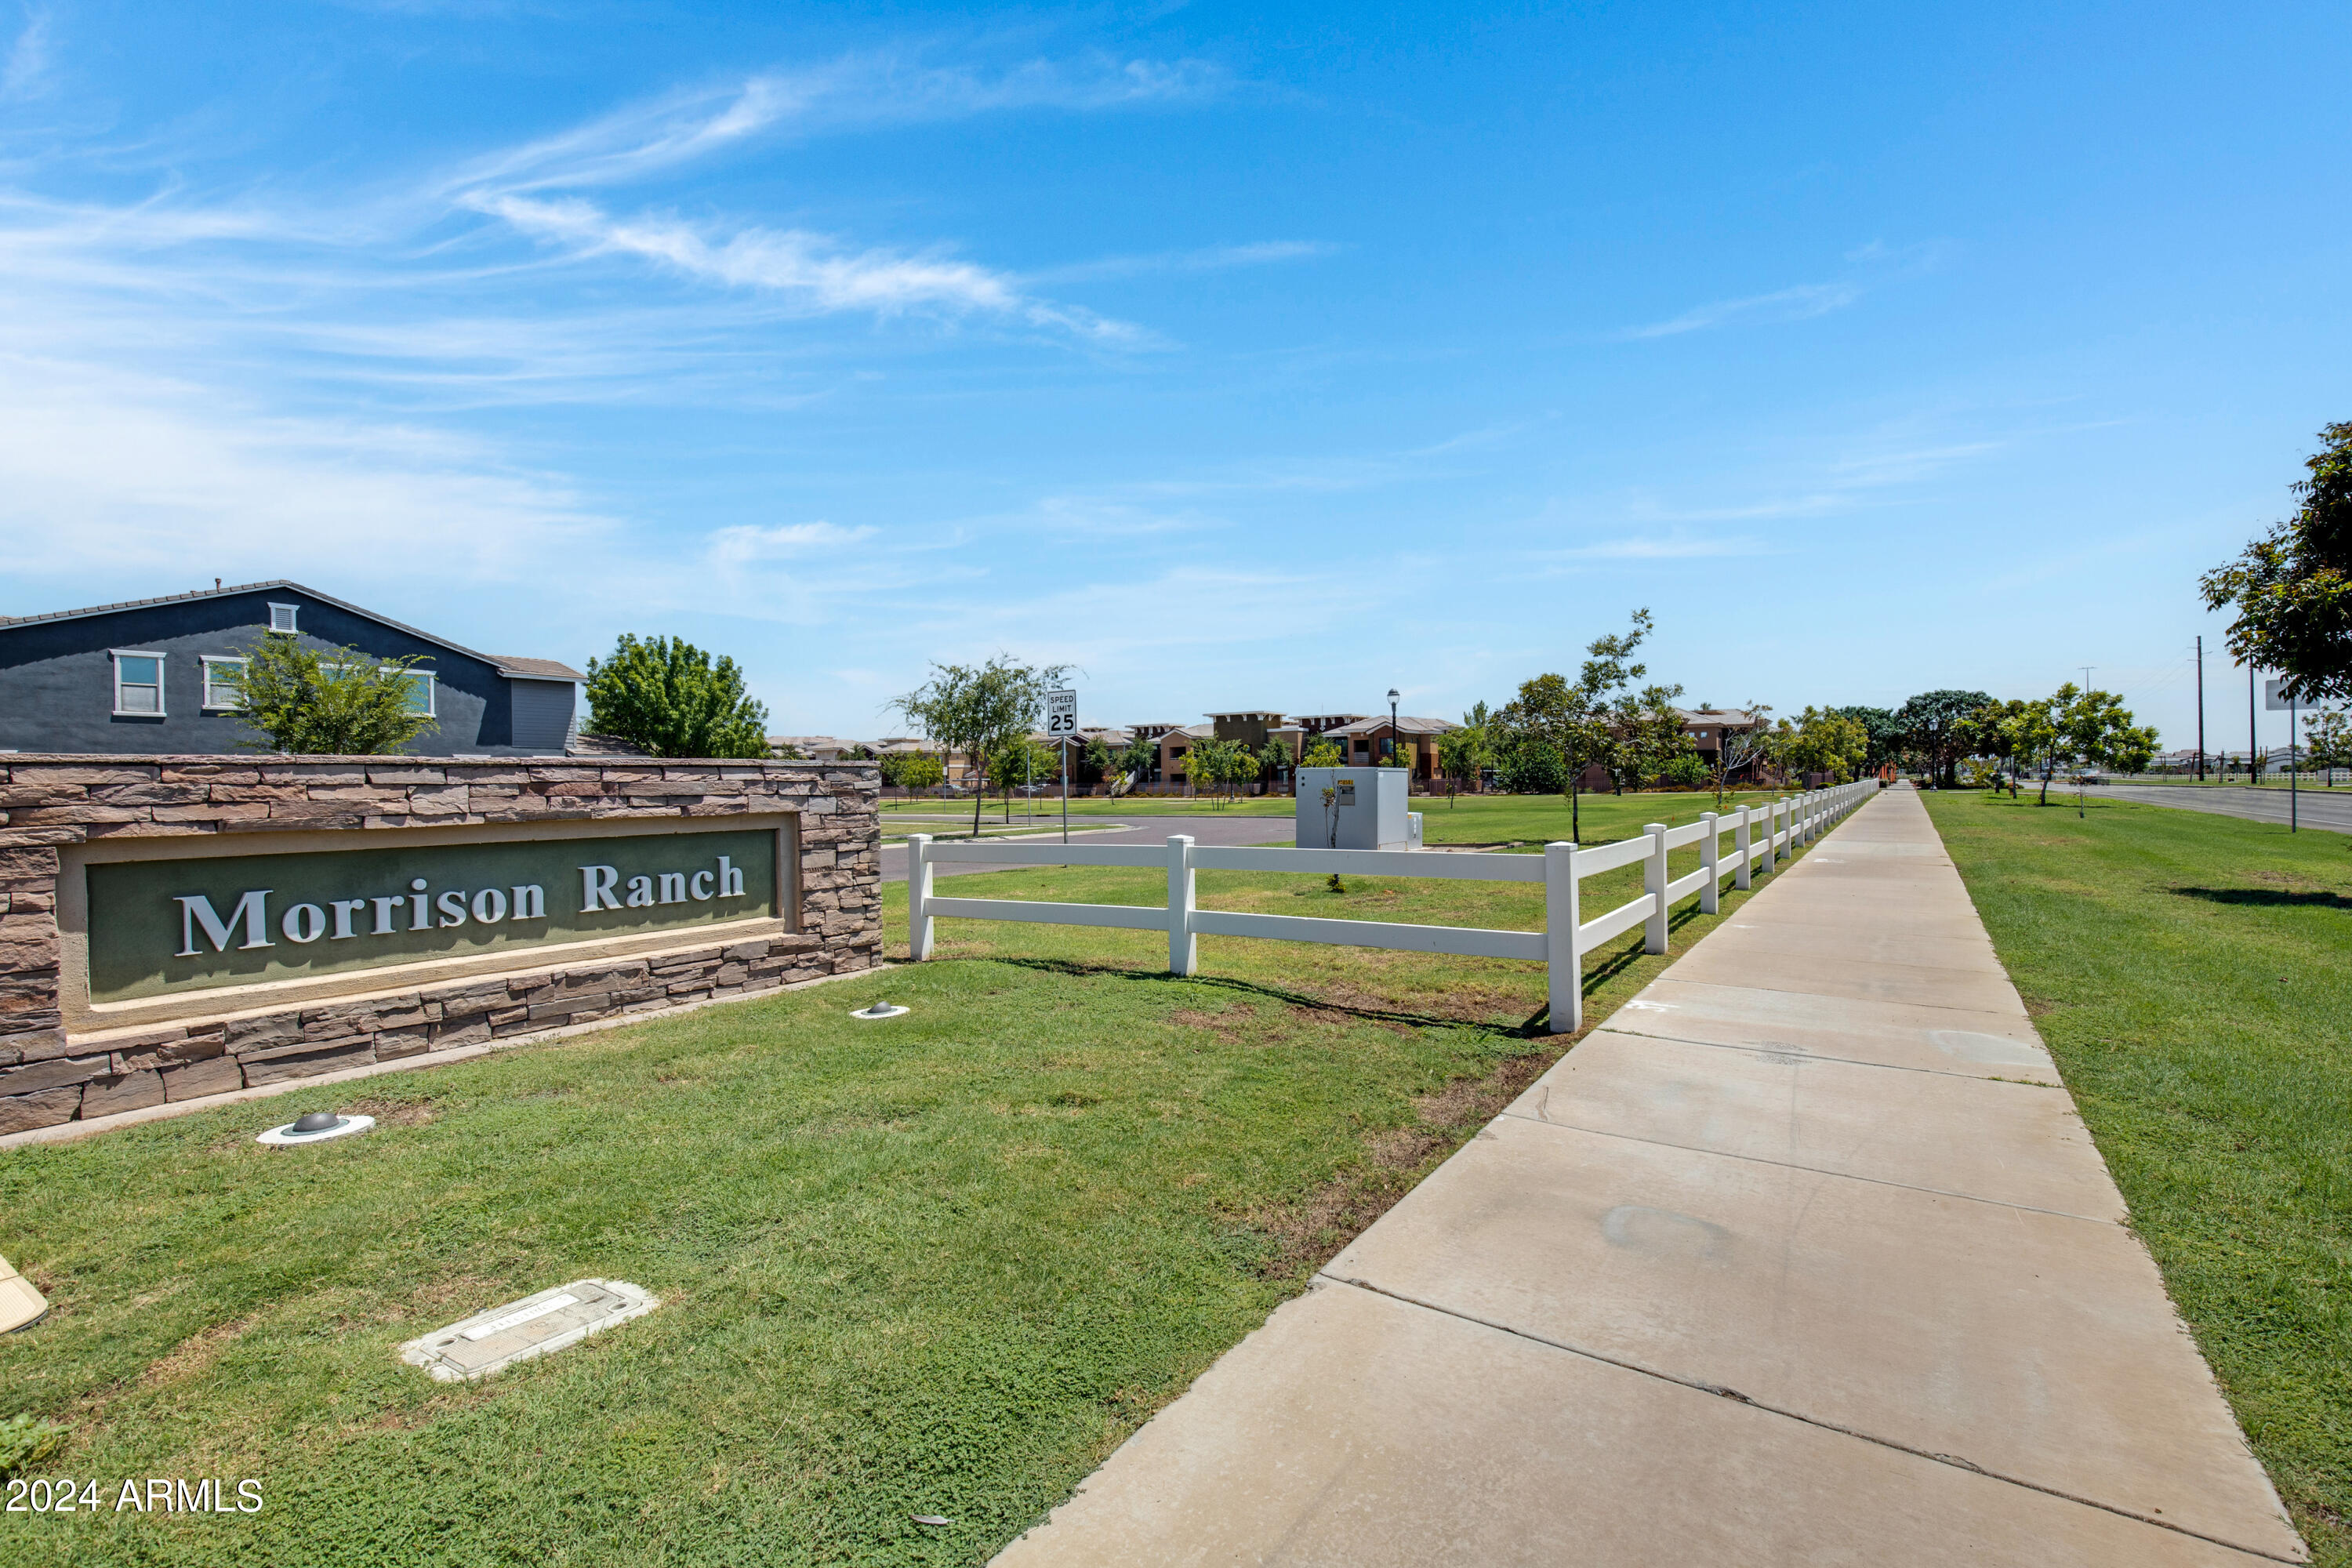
x=57 y=691
x=542 y=713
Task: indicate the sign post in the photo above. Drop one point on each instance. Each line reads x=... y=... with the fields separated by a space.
x=2274 y=699
x=1062 y=729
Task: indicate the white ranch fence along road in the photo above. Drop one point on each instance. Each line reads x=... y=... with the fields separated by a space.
x=1760 y=835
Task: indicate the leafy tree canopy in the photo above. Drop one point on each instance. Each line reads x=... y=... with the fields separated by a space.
x=981 y=709
x=669 y=698
x=1573 y=719
x=2293 y=587
x=337 y=702
x=1885 y=729
x=1935 y=725
x=1821 y=740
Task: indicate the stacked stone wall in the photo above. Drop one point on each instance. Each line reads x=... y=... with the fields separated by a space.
x=49 y=1075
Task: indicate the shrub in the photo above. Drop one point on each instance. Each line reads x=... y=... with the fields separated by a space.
x=1685 y=772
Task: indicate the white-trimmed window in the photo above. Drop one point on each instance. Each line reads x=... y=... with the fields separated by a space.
x=420 y=692
x=137 y=682
x=221 y=674
x=282 y=617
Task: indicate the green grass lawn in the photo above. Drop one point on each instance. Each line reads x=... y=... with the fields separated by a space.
x=941 y=1265
x=2192 y=975
x=1531 y=819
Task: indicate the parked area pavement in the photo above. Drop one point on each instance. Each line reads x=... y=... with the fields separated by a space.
x=1805 y=1258
x=2329 y=810
x=1204 y=828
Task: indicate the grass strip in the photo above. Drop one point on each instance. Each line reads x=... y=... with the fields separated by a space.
x=2192 y=975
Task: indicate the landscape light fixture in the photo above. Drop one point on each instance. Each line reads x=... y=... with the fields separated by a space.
x=880 y=1010
x=315 y=1127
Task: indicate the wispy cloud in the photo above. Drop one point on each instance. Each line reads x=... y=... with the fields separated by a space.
x=1870 y=265
x=167 y=476
x=1803 y=302
x=26 y=73
x=749 y=543
x=853 y=92
x=816 y=270
x=1212 y=258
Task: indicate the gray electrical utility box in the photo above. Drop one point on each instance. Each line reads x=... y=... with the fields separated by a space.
x=1366 y=809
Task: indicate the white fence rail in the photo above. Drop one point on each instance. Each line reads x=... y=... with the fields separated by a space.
x=1761 y=837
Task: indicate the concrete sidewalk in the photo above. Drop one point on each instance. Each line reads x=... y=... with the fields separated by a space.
x=1805 y=1259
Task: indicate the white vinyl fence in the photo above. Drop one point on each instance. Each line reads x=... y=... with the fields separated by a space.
x=1760 y=836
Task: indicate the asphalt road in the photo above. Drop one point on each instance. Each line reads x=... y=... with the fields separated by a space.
x=2329 y=810
x=1206 y=828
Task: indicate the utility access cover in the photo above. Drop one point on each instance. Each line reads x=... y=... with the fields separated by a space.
x=536 y=1325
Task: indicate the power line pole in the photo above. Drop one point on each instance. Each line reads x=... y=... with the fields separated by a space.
x=2200 y=710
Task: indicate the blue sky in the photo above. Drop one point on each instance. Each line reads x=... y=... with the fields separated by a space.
x=1241 y=356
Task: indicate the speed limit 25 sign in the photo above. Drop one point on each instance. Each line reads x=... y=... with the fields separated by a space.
x=1061 y=714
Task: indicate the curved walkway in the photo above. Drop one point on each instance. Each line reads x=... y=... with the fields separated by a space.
x=1804 y=1258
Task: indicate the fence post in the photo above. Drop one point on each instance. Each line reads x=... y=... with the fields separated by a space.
x=1183 y=947
x=1771 y=836
x=1653 y=878
x=1561 y=935
x=1710 y=856
x=919 y=896
x=1739 y=841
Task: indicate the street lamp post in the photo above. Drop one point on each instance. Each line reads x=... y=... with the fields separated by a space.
x=1392 y=726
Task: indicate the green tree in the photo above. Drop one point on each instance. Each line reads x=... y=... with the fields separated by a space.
x=1572 y=720
x=2016 y=730
x=1026 y=760
x=666 y=697
x=1463 y=754
x=1138 y=758
x=337 y=702
x=912 y=770
x=1323 y=752
x=2293 y=587
x=1821 y=740
x=1934 y=725
x=1275 y=760
x=1091 y=763
x=1213 y=764
x=2094 y=729
x=1885 y=731
x=1529 y=766
x=1645 y=736
x=981 y=709
x=2327 y=740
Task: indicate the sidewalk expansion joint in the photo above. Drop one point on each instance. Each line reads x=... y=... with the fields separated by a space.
x=1609 y=1025
x=1826 y=996
x=1952 y=1461
x=1811 y=1170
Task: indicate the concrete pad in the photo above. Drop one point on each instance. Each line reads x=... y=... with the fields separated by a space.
x=1355 y=1431
x=1869 y=944
x=2036 y=1347
x=2004 y=1143
x=1974 y=990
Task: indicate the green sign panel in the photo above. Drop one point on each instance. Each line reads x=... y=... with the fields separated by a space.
x=160 y=927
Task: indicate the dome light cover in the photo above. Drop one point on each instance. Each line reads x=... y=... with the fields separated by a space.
x=880 y=1010
x=315 y=1127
